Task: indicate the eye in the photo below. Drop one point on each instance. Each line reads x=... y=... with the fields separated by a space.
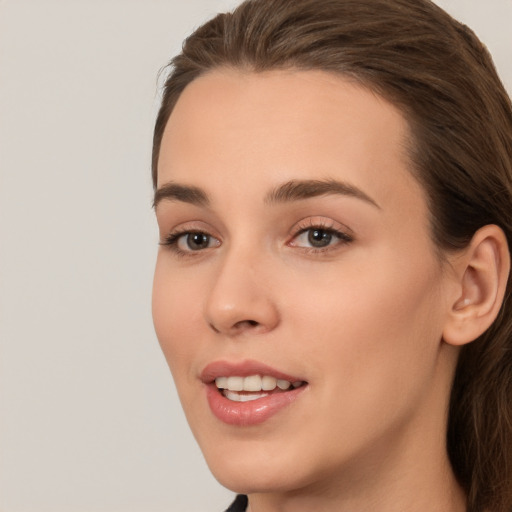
x=190 y=241
x=193 y=241
x=315 y=238
x=320 y=237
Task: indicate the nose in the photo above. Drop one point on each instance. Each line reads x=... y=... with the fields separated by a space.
x=240 y=300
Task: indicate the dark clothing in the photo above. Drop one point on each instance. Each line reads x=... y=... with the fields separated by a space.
x=239 y=505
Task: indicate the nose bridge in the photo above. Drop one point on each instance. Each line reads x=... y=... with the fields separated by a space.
x=240 y=297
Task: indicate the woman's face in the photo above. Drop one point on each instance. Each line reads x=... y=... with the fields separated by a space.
x=296 y=251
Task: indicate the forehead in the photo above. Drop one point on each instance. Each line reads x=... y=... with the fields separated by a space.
x=257 y=129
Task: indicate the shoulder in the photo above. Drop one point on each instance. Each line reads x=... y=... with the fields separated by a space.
x=239 y=505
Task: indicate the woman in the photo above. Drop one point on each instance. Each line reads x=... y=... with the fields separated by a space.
x=333 y=188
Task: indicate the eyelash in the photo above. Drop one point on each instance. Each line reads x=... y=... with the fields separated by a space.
x=327 y=228
x=344 y=238
x=173 y=238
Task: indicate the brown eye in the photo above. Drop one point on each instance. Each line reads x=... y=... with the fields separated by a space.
x=197 y=241
x=319 y=237
x=190 y=241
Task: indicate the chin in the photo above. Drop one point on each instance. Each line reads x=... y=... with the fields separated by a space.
x=247 y=477
x=255 y=466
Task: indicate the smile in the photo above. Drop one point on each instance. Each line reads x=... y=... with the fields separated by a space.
x=255 y=383
x=248 y=393
x=245 y=389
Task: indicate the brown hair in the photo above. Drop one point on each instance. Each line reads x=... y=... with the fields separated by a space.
x=442 y=78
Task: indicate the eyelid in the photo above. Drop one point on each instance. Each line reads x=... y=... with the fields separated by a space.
x=344 y=234
x=171 y=238
x=322 y=223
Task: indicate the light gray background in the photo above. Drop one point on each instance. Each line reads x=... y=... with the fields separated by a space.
x=89 y=420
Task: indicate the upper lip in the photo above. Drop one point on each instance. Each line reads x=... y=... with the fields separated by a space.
x=242 y=369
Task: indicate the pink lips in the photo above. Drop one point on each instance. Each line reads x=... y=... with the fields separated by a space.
x=249 y=413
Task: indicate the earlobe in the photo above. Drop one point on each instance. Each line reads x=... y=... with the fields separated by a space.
x=482 y=272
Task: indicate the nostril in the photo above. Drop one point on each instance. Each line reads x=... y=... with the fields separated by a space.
x=246 y=323
x=238 y=326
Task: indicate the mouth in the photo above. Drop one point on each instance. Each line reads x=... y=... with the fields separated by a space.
x=253 y=387
x=248 y=393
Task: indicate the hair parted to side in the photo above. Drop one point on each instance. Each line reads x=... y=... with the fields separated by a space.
x=442 y=78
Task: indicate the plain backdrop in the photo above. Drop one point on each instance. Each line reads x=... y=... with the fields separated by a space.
x=89 y=419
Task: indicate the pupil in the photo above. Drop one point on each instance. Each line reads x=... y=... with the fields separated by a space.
x=319 y=238
x=197 y=241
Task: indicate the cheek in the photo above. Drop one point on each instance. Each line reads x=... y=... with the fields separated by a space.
x=376 y=326
x=371 y=341
x=175 y=316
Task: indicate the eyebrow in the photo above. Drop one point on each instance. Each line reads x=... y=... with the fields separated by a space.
x=304 y=189
x=293 y=190
x=184 y=193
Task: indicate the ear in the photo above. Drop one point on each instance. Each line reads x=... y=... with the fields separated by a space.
x=482 y=272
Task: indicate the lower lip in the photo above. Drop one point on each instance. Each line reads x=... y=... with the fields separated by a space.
x=254 y=412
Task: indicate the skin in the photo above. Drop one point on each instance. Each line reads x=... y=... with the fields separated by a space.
x=361 y=321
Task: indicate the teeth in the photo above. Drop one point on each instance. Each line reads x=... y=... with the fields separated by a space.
x=254 y=383
x=237 y=397
x=221 y=382
x=235 y=383
x=268 y=383
x=283 y=384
